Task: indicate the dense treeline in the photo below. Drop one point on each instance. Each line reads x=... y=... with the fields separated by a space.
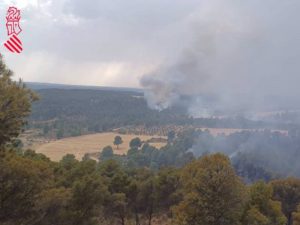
x=255 y=151
x=15 y=105
x=176 y=153
x=205 y=191
x=256 y=155
x=72 y=112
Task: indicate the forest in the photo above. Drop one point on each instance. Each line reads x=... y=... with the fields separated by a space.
x=65 y=112
x=75 y=112
x=255 y=155
x=187 y=182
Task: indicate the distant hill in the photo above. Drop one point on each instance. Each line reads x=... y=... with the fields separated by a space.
x=41 y=86
x=73 y=111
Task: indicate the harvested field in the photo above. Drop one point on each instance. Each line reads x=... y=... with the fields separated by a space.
x=91 y=143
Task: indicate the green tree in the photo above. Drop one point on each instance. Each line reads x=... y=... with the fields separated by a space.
x=53 y=206
x=86 y=156
x=261 y=209
x=148 y=197
x=171 y=136
x=88 y=194
x=296 y=217
x=74 y=171
x=213 y=194
x=60 y=133
x=69 y=161
x=143 y=198
x=21 y=181
x=255 y=217
x=30 y=154
x=15 y=104
x=135 y=143
x=133 y=188
x=116 y=205
x=168 y=183
x=109 y=168
x=17 y=143
x=107 y=153
x=287 y=191
x=46 y=130
x=118 y=140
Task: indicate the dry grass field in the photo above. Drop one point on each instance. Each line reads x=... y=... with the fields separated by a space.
x=91 y=143
x=94 y=143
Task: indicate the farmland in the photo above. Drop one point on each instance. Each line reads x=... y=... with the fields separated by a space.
x=92 y=143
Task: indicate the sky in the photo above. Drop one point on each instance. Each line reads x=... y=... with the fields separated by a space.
x=239 y=52
x=104 y=42
x=239 y=56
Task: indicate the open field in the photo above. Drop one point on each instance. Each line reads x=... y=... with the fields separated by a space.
x=91 y=143
x=94 y=143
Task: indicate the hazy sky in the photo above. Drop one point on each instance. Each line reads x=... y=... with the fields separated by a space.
x=101 y=42
x=115 y=42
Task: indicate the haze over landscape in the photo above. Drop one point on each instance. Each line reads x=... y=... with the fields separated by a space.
x=240 y=54
x=164 y=29
x=152 y=112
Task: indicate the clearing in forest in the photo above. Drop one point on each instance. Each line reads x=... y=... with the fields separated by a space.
x=91 y=143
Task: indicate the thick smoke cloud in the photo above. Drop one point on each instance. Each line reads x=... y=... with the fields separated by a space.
x=242 y=54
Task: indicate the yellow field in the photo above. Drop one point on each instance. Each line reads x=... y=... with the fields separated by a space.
x=91 y=143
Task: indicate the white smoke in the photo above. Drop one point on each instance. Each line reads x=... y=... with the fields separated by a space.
x=241 y=54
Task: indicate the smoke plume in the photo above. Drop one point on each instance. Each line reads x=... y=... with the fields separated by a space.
x=242 y=56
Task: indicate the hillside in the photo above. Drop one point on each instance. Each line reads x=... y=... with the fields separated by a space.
x=71 y=112
x=66 y=111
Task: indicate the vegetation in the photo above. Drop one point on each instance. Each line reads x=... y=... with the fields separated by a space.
x=296 y=217
x=288 y=192
x=107 y=153
x=147 y=186
x=15 y=104
x=205 y=191
x=135 y=143
x=85 y=144
x=261 y=209
x=255 y=154
x=64 y=113
x=118 y=140
x=72 y=112
x=213 y=194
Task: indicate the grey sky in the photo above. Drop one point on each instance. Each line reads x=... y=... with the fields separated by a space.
x=96 y=42
x=244 y=53
x=116 y=42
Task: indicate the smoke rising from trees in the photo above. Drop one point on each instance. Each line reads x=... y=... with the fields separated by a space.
x=242 y=56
